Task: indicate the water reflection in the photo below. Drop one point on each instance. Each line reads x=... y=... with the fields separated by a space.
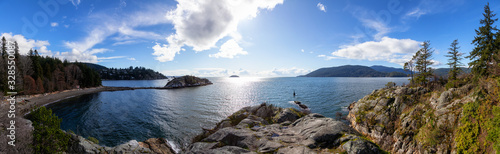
x=179 y=114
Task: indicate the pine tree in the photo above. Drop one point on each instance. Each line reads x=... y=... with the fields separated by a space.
x=482 y=56
x=454 y=61
x=423 y=63
x=4 y=47
x=30 y=53
x=16 y=50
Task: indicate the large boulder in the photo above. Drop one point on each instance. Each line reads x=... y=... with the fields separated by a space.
x=289 y=114
x=187 y=81
x=158 y=145
x=79 y=144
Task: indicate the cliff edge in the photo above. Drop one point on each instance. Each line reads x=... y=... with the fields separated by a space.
x=411 y=120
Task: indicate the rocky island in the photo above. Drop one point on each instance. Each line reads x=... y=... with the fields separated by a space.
x=187 y=81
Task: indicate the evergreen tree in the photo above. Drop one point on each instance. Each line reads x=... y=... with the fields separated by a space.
x=16 y=50
x=4 y=47
x=483 y=55
x=31 y=53
x=423 y=63
x=454 y=61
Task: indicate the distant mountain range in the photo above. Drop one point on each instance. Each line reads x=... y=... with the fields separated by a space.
x=444 y=71
x=357 y=71
x=131 y=73
x=372 y=71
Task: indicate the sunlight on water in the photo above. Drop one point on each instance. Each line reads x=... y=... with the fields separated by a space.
x=243 y=80
x=179 y=114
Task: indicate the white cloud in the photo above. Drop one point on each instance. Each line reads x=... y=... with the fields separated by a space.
x=165 y=52
x=95 y=36
x=388 y=49
x=417 y=12
x=321 y=7
x=431 y=6
x=54 y=24
x=132 y=59
x=76 y=55
x=202 y=23
x=436 y=63
x=105 y=24
x=302 y=50
x=380 y=28
x=229 y=50
x=108 y=58
x=375 y=26
x=221 y=72
x=75 y=2
x=124 y=42
x=127 y=32
x=286 y=72
x=26 y=44
x=66 y=26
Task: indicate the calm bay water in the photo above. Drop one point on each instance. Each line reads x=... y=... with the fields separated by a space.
x=179 y=114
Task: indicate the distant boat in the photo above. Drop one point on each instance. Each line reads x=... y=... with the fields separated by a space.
x=234 y=76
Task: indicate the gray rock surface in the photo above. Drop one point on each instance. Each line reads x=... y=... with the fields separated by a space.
x=397 y=118
x=262 y=130
x=153 y=145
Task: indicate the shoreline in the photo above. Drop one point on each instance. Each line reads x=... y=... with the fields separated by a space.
x=26 y=102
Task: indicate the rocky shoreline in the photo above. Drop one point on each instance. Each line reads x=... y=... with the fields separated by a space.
x=269 y=129
x=152 y=145
x=411 y=120
x=393 y=119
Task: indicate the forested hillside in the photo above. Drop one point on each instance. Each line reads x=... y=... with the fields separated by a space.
x=352 y=71
x=35 y=74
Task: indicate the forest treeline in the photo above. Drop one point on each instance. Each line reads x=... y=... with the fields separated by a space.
x=130 y=73
x=36 y=74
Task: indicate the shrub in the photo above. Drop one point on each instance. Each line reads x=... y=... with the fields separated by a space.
x=47 y=135
x=92 y=139
x=390 y=84
x=494 y=128
x=468 y=131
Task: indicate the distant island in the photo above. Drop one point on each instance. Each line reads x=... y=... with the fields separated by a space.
x=131 y=73
x=234 y=76
x=357 y=71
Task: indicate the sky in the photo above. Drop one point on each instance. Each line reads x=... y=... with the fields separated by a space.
x=243 y=37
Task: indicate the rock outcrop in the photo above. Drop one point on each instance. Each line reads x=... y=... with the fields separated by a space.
x=187 y=81
x=410 y=120
x=268 y=129
x=152 y=145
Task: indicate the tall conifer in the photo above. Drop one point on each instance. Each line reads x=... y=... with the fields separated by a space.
x=483 y=57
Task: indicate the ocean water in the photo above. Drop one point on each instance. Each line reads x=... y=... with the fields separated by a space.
x=180 y=114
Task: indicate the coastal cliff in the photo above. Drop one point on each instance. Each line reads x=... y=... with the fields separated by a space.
x=418 y=120
x=187 y=81
x=268 y=129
